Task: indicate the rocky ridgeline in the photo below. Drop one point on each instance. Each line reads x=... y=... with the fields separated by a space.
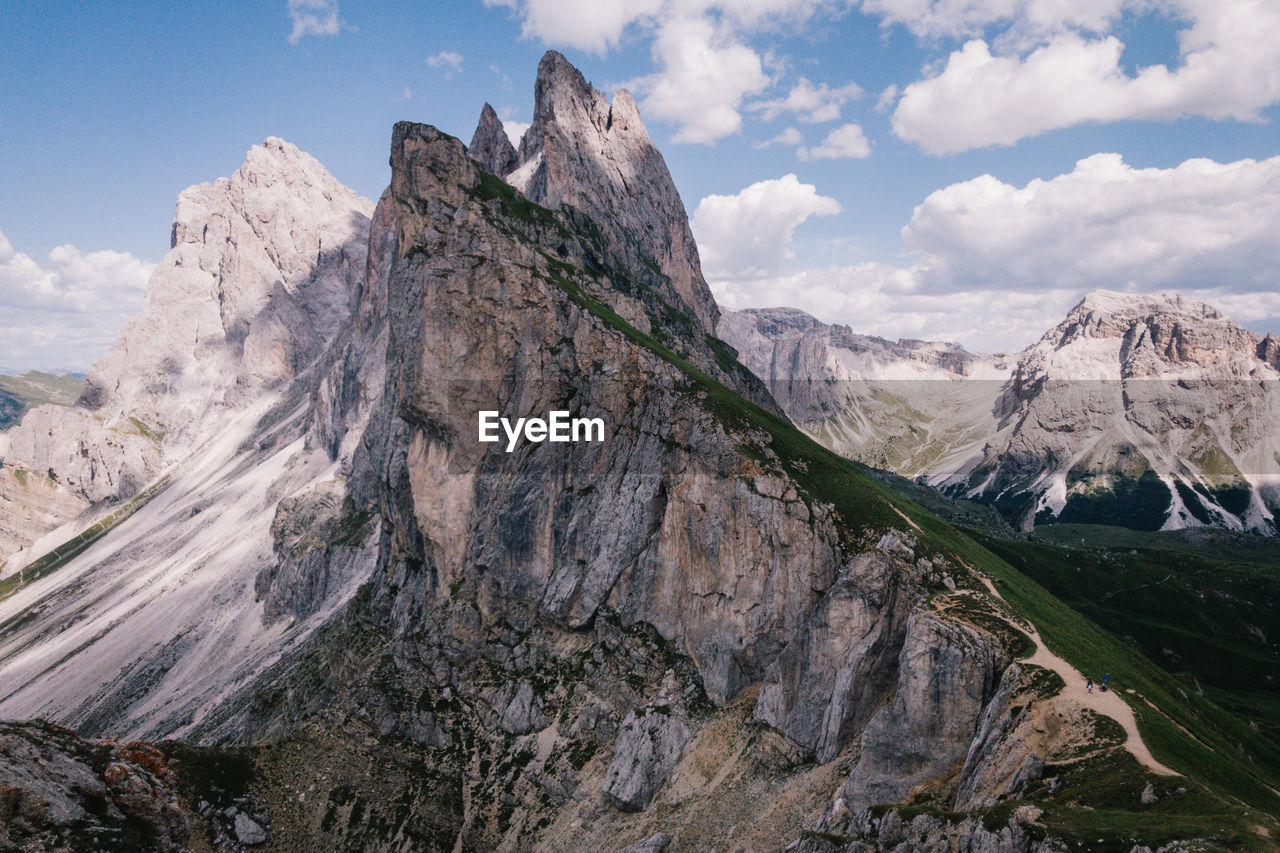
x=684 y=635
x=1151 y=411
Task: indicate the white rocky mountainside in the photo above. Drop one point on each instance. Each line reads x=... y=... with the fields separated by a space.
x=192 y=430
x=261 y=275
x=1150 y=411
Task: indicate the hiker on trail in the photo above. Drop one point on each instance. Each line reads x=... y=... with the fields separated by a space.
x=1089 y=686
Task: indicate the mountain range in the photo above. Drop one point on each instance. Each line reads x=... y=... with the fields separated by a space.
x=1152 y=412
x=265 y=589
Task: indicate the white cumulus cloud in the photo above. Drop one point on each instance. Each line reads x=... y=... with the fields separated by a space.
x=810 y=103
x=1106 y=224
x=706 y=73
x=846 y=142
x=995 y=265
x=515 y=130
x=313 y=18
x=748 y=235
x=790 y=136
x=448 y=61
x=1026 y=20
x=1229 y=67
x=66 y=311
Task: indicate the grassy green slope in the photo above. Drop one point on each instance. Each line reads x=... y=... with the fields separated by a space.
x=1211 y=619
x=34 y=388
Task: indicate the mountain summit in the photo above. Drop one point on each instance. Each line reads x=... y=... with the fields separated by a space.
x=596 y=157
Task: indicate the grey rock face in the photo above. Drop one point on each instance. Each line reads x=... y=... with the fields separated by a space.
x=891 y=833
x=248 y=831
x=824 y=686
x=635 y=521
x=656 y=843
x=320 y=541
x=61 y=793
x=647 y=749
x=946 y=676
x=491 y=147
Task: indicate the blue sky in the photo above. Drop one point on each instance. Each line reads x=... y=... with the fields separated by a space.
x=890 y=111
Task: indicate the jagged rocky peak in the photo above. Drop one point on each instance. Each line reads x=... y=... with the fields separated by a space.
x=1269 y=349
x=260 y=277
x=491 y=147
x=1110 y=335
x=597 y=157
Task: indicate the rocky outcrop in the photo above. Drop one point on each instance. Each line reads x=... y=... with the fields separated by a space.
x=321 y=545
x=825 y=685
x=32 y=505
x=947 y=674
x=61 y=793
x=569 y=528
x=597 y=158
x=491 y=147
x=890 y=832
x=645 y=752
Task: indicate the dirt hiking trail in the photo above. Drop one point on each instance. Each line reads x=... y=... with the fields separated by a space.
x=1108 y=703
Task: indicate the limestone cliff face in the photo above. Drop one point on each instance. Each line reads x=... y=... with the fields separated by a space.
x=490 y=312
x=261 y=276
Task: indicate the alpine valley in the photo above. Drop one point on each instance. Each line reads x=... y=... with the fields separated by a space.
x=262 y=588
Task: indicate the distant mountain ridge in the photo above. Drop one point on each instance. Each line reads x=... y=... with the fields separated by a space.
x=1149 y=411
x=22 y=391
